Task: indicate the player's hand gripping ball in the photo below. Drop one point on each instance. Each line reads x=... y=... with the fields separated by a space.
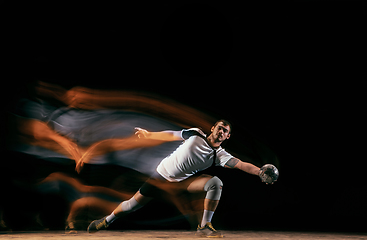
x=269 y=174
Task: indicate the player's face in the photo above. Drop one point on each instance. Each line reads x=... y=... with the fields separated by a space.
x=220 y=132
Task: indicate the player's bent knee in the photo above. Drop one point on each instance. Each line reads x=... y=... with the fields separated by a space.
x=213 y=183
x=130 y=205
x=213 y=187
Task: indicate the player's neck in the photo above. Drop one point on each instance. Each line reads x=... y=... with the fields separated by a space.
x=213 y=142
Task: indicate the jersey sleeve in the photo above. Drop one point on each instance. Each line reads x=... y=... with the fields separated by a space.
x=175 y=133
x=222 y=157
x=186 y=133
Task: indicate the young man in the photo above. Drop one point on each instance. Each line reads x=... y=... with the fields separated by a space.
x=195 y=154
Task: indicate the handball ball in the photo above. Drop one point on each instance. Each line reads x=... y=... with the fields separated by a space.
x=268 y=173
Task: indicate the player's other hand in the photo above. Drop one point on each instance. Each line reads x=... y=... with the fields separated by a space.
x=79 y=166
x=141 y=133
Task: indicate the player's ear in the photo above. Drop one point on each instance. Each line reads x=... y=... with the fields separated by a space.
x=228 y=136
x=212 y=129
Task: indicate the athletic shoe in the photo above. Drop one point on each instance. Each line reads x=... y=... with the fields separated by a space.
x=70 y=228
x=97 y=225
x=208 y=231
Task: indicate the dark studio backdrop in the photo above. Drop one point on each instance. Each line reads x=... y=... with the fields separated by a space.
x=289 y=74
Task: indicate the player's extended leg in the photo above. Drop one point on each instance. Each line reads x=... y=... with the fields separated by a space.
x=213 y=188
x=124 y=208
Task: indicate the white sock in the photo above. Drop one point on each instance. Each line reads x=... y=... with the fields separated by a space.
x=207 y=217
x=110 y=218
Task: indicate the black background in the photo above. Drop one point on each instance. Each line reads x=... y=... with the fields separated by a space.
x=288 y=73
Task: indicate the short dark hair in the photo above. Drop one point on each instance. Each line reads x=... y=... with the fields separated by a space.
x=225 y=123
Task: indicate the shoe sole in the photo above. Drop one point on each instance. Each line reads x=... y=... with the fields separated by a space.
x=91 y=231
x=71 y=232
x=202 y=235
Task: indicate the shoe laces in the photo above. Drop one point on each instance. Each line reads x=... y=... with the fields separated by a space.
x=210 y=226
x=101 y=224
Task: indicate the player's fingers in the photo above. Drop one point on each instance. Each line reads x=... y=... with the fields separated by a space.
x=138 y=132
x=138 y=129
x=141 y=133
x=79 y=167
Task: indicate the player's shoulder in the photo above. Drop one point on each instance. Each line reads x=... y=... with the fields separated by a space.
x=187 y=133
x=221 y=150
x=197 y=130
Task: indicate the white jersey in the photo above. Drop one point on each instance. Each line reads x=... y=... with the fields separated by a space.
x=192 y=156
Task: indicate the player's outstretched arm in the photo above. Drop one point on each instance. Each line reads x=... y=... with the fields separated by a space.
x=268 y=173
x=167 y=136
x=244 y=166
x=142 y=138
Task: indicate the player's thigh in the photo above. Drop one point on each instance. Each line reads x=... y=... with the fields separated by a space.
x=197 y=184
